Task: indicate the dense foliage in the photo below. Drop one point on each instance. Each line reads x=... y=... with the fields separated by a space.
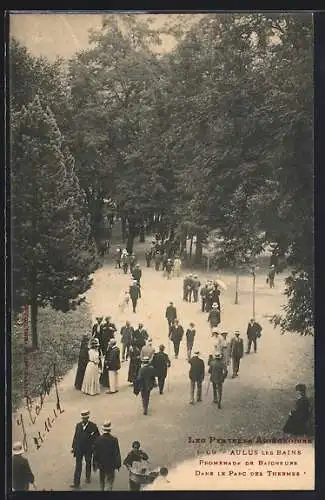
x=214 y=136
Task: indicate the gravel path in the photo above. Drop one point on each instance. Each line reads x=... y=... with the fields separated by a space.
x=255 y=403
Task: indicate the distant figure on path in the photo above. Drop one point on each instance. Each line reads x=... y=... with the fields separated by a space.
x=148 y=257
x=214 y=316
x=106 y=334
x=113 y=365
x=125 y=261
x=190 y=336
x=132 y=262
x=218 y=373
x=135 y=455
x=140 y=336
x=225 y=348
x=177 y=267
x=90 y=384
x=147 y=351
x=196 y=374
x=98 y=326
x=22 y=475
x=195 y=287
x=176 y=334
x=107 y=457
x=271 y=276
x=118 y=255
x=171 y=314
x=137 y=273
x=127 y=332
x=124 y=303
x=253 y=333
x=82 y=362
x=82 y=447
x=134 y=294
x=161 y=363
x=135 y=362
x=169 y=268
x=299 y=420
x=203 y=293
x=236 y=353
x=158 y=259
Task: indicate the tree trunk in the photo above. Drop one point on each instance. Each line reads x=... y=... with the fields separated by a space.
x=191 y=247
x=142 y=233
x=237 y=285
x=123 y=227
x=183 y=242
x=130 y=236
x=33 y=314
x=198 y=250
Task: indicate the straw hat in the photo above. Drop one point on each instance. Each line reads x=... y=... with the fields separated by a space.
x=107 y=426
x=85 y=413
x=17 y=448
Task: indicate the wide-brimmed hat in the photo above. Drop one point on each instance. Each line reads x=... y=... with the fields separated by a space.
x=107 y=426
x=94 y=341
x=17 y=448
x=218 y=355
x=237 y=332
x=215 y=305
x=85 y=413
x=224 y=333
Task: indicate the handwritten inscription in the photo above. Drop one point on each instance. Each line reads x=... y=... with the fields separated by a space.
x=34 y=409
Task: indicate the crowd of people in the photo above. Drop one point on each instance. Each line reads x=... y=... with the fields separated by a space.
x=104 y=350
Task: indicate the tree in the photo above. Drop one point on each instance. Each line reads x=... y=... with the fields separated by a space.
x=53 y=256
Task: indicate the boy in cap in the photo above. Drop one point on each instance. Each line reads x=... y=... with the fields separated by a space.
x=107 y=456
x=196 y=375
x=22 y=475
x=82 y=447
x=218 y=373
x=135 y=455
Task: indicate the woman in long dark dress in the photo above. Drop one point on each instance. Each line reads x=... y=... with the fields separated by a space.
x=135 y=363
x=82 y=362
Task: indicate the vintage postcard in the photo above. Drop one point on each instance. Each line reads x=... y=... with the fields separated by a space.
x=161 y=171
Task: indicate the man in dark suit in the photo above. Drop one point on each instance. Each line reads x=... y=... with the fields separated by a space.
x=107 y=457
x=112 y=363
x=97 y=327
x=140 y=336
x=171 y=314
x=145 y=383
x=22 y=475
x=253 y=333
x=82 y=446
x=127 y=332
x=236 y=353
x=176 y=334
x=134 y=294
x=218 y=373
x=299 y=420
x=107 y=333
x=161 y=363
x=196 y=374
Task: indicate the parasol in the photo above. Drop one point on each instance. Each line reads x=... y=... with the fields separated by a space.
x=221 y=284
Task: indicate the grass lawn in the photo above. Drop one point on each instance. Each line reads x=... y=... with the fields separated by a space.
x=60 y=335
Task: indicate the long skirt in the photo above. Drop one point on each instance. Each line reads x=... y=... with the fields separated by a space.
x=80 y=374
x=90 y=383
x=134 y=367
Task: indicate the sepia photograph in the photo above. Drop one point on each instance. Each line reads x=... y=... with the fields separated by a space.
x=162 y=250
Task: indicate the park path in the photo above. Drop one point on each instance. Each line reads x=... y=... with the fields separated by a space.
x=255 y=403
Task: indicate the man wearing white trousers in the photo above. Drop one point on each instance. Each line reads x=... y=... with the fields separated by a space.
x=113 y=365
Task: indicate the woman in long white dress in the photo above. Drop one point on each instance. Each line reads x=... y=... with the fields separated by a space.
x=90 y=384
